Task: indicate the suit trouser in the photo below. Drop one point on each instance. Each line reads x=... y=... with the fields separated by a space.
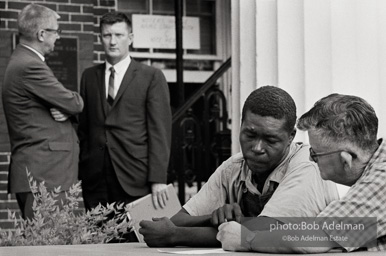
x=25 y=201
x=109 y=190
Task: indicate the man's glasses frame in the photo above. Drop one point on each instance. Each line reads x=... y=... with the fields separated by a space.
x=314 y=156
x=57 y=31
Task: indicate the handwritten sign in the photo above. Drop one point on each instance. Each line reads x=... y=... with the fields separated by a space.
x=158 y=31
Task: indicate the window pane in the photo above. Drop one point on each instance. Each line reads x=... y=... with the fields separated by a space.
x=163 y=7
x=200 y=7
x=138 y=6
x=207 y=37
x=204 y=10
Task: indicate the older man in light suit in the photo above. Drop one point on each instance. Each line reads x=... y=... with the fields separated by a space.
x=39 y=111
x=125 y=128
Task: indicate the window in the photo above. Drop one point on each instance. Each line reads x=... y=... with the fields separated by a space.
x=214 y=30
x=205 y=10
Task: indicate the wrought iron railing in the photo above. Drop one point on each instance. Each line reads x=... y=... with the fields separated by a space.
x=201 y=139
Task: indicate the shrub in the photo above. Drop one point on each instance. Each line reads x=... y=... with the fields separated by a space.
x=54 y=225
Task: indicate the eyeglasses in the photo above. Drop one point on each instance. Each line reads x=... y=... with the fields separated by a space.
x=57 y=31
x=314 y=156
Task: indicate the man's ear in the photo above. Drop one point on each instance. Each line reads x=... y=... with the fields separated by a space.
x=346 y=160
x=131 y=37
x=292 y=136
x=40 y=35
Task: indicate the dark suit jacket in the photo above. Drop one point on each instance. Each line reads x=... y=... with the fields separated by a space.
x=47 y=148
x=136 y=130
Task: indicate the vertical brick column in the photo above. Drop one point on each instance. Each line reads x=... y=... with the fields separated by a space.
x=7 y=201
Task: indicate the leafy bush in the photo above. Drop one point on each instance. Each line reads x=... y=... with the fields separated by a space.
x=54 y=225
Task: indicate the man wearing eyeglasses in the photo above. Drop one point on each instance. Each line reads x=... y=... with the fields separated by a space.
x=342 y=131
x=39 y=111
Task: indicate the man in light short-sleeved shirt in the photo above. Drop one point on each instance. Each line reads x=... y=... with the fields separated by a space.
x=300 y=190
x=271 y=177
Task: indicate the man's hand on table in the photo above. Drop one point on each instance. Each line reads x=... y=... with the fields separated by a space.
x=159 y=232
x=228 y=212
x=233 y=237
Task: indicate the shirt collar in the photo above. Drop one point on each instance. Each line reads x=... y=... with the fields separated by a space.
x=120 y=66
x=378 y=156
x=35 y=51
x=276 y=175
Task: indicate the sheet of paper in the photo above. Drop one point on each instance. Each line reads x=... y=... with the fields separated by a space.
x=143 y=209
x=208 y=251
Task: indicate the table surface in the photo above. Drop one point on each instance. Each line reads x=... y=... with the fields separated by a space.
x=127 y=249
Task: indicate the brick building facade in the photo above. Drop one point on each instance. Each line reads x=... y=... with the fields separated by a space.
x=79 y=19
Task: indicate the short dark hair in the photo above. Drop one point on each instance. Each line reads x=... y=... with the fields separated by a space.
x=114 y=17
x=341 y=118
x=274 y=102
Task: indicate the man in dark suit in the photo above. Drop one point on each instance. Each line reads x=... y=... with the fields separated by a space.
x=125 y=128
x=39 y=111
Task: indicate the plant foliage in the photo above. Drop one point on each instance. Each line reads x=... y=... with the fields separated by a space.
x=63 y=223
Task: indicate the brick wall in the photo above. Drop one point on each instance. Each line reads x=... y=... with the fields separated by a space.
x=7 y=201
x=79 y=18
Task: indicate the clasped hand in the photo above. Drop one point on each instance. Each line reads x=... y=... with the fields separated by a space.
x=231 y=233
x=228 y=212
x=158 y=233
x=232 y=236
x=58 y=115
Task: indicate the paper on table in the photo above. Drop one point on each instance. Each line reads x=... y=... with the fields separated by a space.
x=196 y=251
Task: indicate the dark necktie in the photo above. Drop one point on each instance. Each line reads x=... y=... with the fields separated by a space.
x=111 y=96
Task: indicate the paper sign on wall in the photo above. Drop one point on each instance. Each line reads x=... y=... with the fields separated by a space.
x=158 y=31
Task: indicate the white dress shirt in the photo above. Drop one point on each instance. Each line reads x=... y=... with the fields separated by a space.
x=120 y=70
x=32 y=49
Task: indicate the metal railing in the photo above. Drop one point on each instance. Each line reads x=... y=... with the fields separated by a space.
x=201 y=139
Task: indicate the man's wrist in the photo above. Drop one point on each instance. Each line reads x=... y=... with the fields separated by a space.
x=178 y=236
x=249 y=239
